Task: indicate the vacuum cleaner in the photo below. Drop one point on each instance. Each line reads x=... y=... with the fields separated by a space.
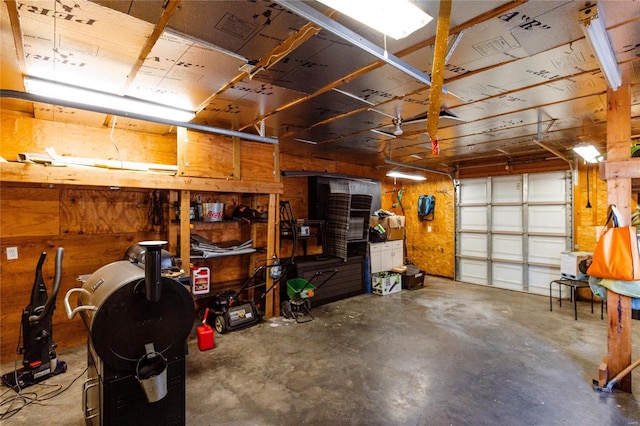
x=40 y=361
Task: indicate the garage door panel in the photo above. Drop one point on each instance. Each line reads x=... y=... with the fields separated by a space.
x=540 y=277
x=507 y=275
x=473 y=271
x=547 y=188
x=474 y=191
x=546 y=250
x=523 y=223
x=506 y=189
x=473 y=218
x=547 y=219
x=507 y=247
x=474 y=245
x=506 y=218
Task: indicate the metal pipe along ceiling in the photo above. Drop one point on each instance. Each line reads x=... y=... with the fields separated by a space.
x=192 y=126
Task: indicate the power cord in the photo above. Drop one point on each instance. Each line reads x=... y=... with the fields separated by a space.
x=27 y=398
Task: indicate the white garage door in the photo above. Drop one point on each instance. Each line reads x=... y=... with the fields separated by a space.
x=511 y=230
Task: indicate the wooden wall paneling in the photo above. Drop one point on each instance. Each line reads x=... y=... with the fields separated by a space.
x=433 y=252
x=499 y=169
x=104 y=211
x=208 y=155
x=258 y=161
x=236 y=173
x=25 y=134
x=83 y=254
x=29 y=211
x=587 y=219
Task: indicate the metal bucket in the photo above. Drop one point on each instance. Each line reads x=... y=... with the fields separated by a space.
x=151 y=373
x=213 y=212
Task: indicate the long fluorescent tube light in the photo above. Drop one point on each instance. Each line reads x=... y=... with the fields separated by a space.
x=592 y=24
x=401 y=175
x=64 y=92
x=397 y=18
x=588 y=152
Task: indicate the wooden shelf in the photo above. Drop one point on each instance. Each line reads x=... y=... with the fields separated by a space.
x=94 y=176
x=200 y=225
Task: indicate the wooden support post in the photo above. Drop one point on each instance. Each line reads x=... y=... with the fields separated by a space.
x=185 y=231
x=272 y=302
x=619 y=193
x=237 y=170
x=172 y=228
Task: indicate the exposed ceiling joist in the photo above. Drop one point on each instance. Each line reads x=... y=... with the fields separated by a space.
x=169 y=9
x=437 y=72
x=345 y=33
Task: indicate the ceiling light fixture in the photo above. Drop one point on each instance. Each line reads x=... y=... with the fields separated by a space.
x=88 y=97
x=588 y=152
x=592 y=24
x=301 y=9
x=397 y=19
x=395 y=174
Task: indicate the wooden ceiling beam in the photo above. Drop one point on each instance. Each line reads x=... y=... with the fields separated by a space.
x=14 y=19
x=270 y=59
x=437 y=72
x=375 y=65
x=169 y=9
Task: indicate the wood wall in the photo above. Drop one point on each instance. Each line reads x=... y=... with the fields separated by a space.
x=96 y=224
x=430 y=244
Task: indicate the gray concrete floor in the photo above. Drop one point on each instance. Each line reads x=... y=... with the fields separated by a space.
x=447 y=354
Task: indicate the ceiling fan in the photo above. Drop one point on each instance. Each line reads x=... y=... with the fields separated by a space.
x=415 y=124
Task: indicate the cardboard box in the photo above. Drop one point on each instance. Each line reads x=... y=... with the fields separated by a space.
x=385 y=283
x=569 y=264
x=393 y=225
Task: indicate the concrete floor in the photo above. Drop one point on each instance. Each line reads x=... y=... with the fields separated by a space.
x=447 y=354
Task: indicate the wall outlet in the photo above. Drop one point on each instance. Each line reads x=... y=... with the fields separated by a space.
x=12 y=253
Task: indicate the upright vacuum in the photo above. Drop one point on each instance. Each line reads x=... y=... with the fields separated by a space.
x=38 y=349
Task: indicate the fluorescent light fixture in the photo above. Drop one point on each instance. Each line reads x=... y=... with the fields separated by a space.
x=124 y=104
x=592 y=24
x=588 y=152
x=401 y=175
x=397 y=18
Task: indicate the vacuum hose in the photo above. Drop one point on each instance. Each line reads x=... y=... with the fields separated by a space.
x=48 y=307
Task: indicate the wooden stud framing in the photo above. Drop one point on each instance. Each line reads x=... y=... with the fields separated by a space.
x=619 y=193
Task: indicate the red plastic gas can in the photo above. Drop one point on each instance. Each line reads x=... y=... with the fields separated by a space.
x=205 y=334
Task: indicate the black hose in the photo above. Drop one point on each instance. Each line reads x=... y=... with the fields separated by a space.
x=51 y=301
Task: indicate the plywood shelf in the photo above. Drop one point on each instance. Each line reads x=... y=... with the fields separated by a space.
x=26 y=173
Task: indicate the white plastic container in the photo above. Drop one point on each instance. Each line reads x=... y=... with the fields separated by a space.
x=200 y=280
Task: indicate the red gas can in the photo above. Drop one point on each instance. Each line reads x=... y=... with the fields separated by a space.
x=205 y=334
